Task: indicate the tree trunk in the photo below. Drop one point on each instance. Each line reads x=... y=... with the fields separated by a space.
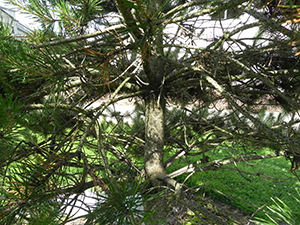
x=154 y=137
x=154 y=131
x=154 y=69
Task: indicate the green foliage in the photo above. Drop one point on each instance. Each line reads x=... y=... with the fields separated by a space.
x=280 y=211
x=38 y=9
x=75 y=15
x=9 y=114
x=25 y=205
x=271 y=177
x=123 y=204
x=5 y=31
x=10 y=117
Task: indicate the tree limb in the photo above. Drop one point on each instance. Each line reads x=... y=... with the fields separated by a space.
x=217 y=164
x=81 y=37
x=56 y=106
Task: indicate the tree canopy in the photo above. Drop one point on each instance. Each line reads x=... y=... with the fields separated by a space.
x=201 y=75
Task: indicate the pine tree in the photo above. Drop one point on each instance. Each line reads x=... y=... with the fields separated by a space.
x=92 y=51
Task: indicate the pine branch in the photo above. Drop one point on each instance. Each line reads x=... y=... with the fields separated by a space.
x=81 y=37
x=268 y=22
x=185 y=6
x=191 y=15
x=264 y=78
x=130 y=21
x=216 y=164
x=56 y=106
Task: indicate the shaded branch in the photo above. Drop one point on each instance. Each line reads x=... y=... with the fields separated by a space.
x=218 y=163
x=56 y=106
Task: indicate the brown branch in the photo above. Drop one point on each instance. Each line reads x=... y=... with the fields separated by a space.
x=216 y=164
x=185 y=6
x=129 y=18
x=163 y=177
x=57 y=106
x=79 y=38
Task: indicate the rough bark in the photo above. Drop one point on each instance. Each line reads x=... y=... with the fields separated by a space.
x=154 y=137
x=154 y=131
x=154 y=144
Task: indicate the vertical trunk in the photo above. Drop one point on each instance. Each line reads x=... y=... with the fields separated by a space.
x=154 y=131
x=154 y=68
x=154 y=137
x=151 y=52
